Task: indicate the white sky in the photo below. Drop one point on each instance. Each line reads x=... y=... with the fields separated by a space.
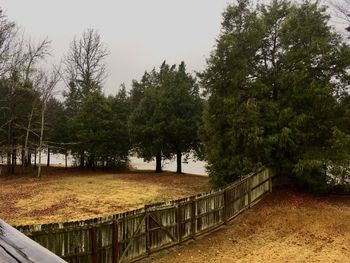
x=140 y=34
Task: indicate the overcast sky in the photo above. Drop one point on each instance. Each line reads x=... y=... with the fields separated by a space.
x=140 y=34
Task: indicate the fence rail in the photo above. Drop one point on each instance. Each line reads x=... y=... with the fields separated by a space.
x=133 y=235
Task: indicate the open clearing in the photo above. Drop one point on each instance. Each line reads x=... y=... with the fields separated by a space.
x=287 y=226
x=81 y=194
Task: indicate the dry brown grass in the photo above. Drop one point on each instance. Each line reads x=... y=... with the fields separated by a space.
x=72 y=195
x=287 y=226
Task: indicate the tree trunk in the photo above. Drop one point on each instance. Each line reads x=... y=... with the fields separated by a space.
x=65 y=158
x=39 y=164
x=9 y=147
x=159 y=163
x=28 y=161
x=178 y=161
x=48 y=156
x=82 y=159
x=91 y=162
x=35 y=153
x=8 y=161
x=22 y=157
x=26 y=152
x=14 y=158
x=41 y=136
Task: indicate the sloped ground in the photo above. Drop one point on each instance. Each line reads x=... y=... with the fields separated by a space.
x=73 y=194
x=287 y=226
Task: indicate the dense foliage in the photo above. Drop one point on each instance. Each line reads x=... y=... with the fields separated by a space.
x=166 y=115
x=276 y=83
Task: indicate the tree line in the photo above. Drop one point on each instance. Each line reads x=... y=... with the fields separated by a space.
x=158 y=118
x=275 y=92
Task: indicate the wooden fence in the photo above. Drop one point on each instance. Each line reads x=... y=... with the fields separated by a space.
x=133 y=235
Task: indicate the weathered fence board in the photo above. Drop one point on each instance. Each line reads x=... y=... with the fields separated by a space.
x=16 y=247
x=133 y=235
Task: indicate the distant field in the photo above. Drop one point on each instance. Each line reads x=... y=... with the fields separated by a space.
x=287 y=226
x=76 y=195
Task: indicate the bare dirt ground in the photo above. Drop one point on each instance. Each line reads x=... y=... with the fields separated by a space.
x=287 y=226
x=73 y=194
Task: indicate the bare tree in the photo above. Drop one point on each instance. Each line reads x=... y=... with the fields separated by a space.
x=35 y=53
x=11 y=78
x=8 y=32
x=85 y=69
x=48 y=83
x=19 y=59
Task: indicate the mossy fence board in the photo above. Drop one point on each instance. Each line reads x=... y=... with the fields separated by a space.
x=130 y=236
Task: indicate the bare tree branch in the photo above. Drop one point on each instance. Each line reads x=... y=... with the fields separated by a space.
x=34 y=54
x=49 y=82
x=84 y=63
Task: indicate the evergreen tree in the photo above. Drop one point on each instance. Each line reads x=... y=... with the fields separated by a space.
x=118 y=143
x=101 y=125
x=183 y=110
x=147 y=128
x=272 y=82
x=166 y=116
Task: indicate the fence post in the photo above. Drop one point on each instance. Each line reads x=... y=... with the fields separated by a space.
x=115 y=242
x=193 y=218
x=178 y=223
x=93 y=244
x=147 y=227
x=225 y=213
x=249 y=191
x=270 y=179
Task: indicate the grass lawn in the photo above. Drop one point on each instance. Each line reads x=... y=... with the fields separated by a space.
x=73 y=194
x=287 y=226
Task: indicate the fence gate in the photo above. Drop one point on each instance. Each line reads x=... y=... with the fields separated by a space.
x=162 y=228
x=133 y=235
x=156 y=230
